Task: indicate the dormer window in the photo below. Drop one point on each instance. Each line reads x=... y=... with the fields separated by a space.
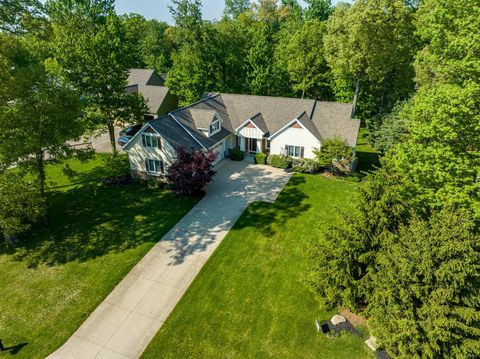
x=215 y=126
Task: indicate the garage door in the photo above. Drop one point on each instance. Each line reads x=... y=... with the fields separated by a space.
x=219 y=152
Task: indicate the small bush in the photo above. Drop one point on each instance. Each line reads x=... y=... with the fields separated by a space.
x=261 y=158
x=236 y=154
x=306 y=165
x=280 y=161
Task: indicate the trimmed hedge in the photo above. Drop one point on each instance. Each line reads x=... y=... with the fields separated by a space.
x=306 y=165
x=261 y=158
x=236 y=155
x=280 y=161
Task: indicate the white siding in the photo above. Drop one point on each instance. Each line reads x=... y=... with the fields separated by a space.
x=137 y=154
x=251 y=132
x=295 y=137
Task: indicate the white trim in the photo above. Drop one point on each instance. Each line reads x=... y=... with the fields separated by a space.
x=182 y=126
x=216 y=119
x=127 y=145
x=245 y=123
x=287 y=126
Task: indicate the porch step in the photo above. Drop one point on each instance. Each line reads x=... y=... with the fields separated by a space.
x=249 y=158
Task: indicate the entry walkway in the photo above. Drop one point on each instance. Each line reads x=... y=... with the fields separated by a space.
x=125 y=322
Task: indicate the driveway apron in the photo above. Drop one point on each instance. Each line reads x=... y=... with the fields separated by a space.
x=125 y=322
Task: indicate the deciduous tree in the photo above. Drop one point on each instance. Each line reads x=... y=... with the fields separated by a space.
x=191 y=171
x=369 y=41
x=307 y=67
x=233 y=8
x=21 y=205
x=318 y=9
x=91 y=45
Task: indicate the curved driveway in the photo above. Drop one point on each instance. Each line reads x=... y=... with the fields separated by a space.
x=125 y=322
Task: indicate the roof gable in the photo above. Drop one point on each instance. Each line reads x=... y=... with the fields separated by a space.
x=203 y=118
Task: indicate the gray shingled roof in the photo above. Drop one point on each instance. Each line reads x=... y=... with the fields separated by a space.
x=270 y=114
x=307 y=122
x=333 y=119
x=149 y=84
x=214 y=103
x=276 y=111
x=174 y=134
x=260 y=122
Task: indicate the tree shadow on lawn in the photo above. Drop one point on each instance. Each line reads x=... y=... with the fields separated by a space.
x=84 y=224
x=270 y=217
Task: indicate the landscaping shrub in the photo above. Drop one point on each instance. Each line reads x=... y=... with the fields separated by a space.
x=261 y=158
x=236 y=154
x=306 y=165
x=335 y=155
x=280 y=161
x=121 y=180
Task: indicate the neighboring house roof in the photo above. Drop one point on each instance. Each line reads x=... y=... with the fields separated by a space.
x=270 y=114
x=151 y=85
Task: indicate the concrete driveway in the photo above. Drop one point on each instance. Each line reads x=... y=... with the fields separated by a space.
x=100 y=142
x=125 y=322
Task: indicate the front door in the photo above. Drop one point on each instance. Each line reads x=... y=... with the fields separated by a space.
x=251 y=145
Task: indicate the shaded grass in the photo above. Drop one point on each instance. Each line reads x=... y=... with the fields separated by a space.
x=368 y=157
x=61 y=272
x=249 y=300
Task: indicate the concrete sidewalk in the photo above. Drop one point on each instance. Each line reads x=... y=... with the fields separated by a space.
x=125 y=322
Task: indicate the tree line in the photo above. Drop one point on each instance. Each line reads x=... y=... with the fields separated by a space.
x=362 y=51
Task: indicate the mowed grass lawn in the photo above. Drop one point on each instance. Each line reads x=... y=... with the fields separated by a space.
x=61 y=272
x=249 y=300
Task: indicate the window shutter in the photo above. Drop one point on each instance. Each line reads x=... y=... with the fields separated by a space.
x=159 y=142
x=146 y=163
x=143 y=140
x=286 y=150
x=302 y=151
x=161 y=166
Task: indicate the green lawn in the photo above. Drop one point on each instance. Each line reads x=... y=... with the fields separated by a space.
x=249 y=300
x=61 y=273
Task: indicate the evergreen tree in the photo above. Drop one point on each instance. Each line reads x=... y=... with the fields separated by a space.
x=426 y=302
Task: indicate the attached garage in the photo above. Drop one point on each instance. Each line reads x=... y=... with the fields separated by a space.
x=219 y=151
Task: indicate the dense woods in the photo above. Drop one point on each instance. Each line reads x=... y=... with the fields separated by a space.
x=408 y=256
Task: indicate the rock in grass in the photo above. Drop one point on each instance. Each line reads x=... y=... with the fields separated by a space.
x=337 y=319
x=372 y=343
